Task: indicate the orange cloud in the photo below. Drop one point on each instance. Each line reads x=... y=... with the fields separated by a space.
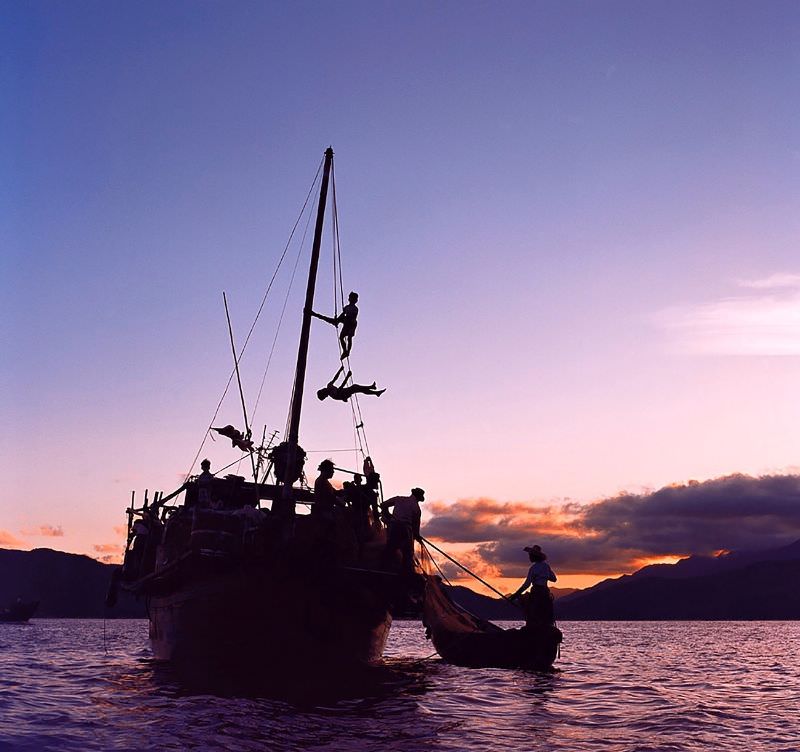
x=625 y=532
x=47 y=531
x=111 y=553
x=7 y=539
x=107 y=548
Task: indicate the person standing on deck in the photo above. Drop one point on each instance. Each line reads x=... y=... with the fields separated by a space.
x=204 y=485
x=348 y=318
x=372 y=493
x=325 y=496
x=539 y=604
x=404 y=525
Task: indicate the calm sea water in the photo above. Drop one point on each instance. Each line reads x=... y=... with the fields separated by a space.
x=621 y=686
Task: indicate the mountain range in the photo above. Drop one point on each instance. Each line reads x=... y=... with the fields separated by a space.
x=734 y=585
x=66 y=585
x=737 y=585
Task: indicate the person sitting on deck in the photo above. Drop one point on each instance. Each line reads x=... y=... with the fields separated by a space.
x=348 y=318
x=344 y=393
x=404 y=526
x=539 y=604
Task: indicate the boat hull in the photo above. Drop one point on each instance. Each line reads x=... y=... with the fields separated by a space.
x=510 y=648
x=269 y=619
x=19 y=612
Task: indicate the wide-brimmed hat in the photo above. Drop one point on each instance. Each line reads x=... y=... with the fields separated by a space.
x=418 y=494
x=535 y=550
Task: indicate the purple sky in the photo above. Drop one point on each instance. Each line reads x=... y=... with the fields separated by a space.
x=573 y=226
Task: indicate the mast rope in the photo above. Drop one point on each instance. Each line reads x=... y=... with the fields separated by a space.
x=359 y=432
x=283 y=311
x=468 y=571
x=255 y=320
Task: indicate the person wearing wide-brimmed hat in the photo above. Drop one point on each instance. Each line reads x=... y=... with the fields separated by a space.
x=539 y=604
x=325 y=495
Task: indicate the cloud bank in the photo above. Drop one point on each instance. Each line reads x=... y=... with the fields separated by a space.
x=619 y=534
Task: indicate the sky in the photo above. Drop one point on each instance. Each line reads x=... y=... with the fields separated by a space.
x=573 y=228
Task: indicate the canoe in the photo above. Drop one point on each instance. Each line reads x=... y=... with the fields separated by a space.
x=463 y=639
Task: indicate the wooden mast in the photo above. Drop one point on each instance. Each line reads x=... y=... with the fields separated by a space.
x=302 y=352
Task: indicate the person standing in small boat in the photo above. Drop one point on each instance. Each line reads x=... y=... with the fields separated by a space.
x=539 y=604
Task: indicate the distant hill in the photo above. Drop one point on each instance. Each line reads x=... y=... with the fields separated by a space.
x=738 y=585
x=66 y=585
x=494 y=609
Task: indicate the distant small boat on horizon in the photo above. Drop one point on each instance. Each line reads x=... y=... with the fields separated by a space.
x=19 y=611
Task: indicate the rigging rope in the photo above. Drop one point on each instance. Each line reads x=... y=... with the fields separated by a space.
x=283 y=310
x=469 y=571
x=360 y=434
x=258 y=314
x=427 y=553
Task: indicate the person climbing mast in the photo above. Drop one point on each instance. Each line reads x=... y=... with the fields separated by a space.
x=348 y=318
x=343 y=393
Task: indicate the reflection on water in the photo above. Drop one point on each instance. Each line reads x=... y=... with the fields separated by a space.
x=621 y=686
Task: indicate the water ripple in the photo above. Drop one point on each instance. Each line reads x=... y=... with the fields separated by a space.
x=620 y=687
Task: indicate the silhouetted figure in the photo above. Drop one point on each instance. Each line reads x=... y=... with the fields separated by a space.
x=344 y=393
x=372 y=494
x=539 y=604
x=325 y=495
x=204 y=485
x=348 y=318
x=404 y=526
x=238 y=439
x=357 y=497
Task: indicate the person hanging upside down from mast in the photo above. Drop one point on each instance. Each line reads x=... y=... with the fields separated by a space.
x=344 y=393
x=348 y=318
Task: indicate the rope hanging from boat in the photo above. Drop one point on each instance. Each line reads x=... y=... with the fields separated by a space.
x=429 y=555
x=255 y=320
x=468 y=571
x=248 y=432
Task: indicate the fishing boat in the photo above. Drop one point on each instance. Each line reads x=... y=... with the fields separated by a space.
x=463 y=639
x=20 y=611
x=234 y=575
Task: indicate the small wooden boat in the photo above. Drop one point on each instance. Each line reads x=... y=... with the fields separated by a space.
x=19 y=611
x=466 y=640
